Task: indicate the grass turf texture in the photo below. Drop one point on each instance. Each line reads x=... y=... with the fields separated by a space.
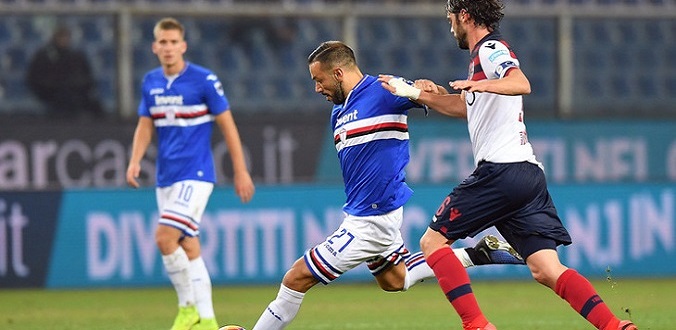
x=509 y=305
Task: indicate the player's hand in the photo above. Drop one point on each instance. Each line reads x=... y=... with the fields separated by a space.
x=244 y=187
x=429 y=86
x=133 y=172
x=468 y=85
x=399 y=87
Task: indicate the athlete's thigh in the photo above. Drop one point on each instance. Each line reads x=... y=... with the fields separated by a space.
x=182 y=204
x=477 y=203
x=536 y=225
x=299 y=277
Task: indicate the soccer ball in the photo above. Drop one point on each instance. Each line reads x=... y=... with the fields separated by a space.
x=231 y=327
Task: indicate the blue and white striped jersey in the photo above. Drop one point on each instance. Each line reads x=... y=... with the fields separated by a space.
x=370 y=133
x=182 y=108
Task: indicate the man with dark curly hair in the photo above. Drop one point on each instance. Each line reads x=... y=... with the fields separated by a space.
x=508 y=189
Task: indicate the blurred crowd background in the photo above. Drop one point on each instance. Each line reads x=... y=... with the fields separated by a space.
x=585 y=58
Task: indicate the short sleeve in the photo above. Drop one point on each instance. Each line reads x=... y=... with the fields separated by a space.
x=496 y=59
x=215 y=97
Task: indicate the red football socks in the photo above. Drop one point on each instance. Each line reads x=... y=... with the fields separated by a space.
x=581 y=295
x=455 y=284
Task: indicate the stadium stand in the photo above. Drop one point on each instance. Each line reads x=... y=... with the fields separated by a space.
x=620 y=65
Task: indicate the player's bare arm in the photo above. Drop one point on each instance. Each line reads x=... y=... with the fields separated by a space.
x=244 y=187
x=452 y=105
x=142 y=137
x=430 y=86
x=514 y=83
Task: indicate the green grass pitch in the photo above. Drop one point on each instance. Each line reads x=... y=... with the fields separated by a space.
x=509 y=305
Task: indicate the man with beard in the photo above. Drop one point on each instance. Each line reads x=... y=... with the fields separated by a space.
x=508 y=188
x=371 y=137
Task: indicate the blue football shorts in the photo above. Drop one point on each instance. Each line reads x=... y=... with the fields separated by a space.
x=513 y=197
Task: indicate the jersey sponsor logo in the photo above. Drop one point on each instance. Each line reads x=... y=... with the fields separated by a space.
x=496 y=54
x=347 y=117
x=169 y=100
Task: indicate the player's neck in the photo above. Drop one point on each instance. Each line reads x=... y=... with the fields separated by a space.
x=352 y=79
x=476 y=36
x=173 y=69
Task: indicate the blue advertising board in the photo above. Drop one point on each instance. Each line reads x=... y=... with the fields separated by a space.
x=572 y=152
x=106 y=238
x=27 y=223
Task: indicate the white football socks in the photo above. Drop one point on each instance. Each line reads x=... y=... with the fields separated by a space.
x=281 y=311
x=201 y=283
x=178 y=269
x=417 y=270
x=464 y=258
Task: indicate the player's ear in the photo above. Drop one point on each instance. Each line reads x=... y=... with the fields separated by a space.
x=337 y=73
x=464 y=15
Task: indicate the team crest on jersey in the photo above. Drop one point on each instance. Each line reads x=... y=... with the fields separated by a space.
x=171 y=114
x=342 y=135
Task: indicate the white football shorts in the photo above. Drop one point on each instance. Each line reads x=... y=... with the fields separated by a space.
x=375 y=240
x=182 y=204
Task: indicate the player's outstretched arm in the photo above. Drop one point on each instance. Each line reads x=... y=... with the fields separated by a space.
x=452 y=105
x=244 y=187
x=514 y=83
x=430 y=86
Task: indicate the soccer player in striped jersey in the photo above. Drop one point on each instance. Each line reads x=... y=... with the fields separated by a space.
x=370 y=133
x=180 y=102
x=508 y=189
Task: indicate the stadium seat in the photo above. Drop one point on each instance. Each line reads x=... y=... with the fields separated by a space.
x=27 y=30
x=5 y=32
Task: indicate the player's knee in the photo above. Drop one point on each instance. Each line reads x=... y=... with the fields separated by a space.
x=167 y=239
x=299 y=277
x=425 y=244
x=538 y=276
x=432 y=241
x=543 y=277
x=165 y=243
